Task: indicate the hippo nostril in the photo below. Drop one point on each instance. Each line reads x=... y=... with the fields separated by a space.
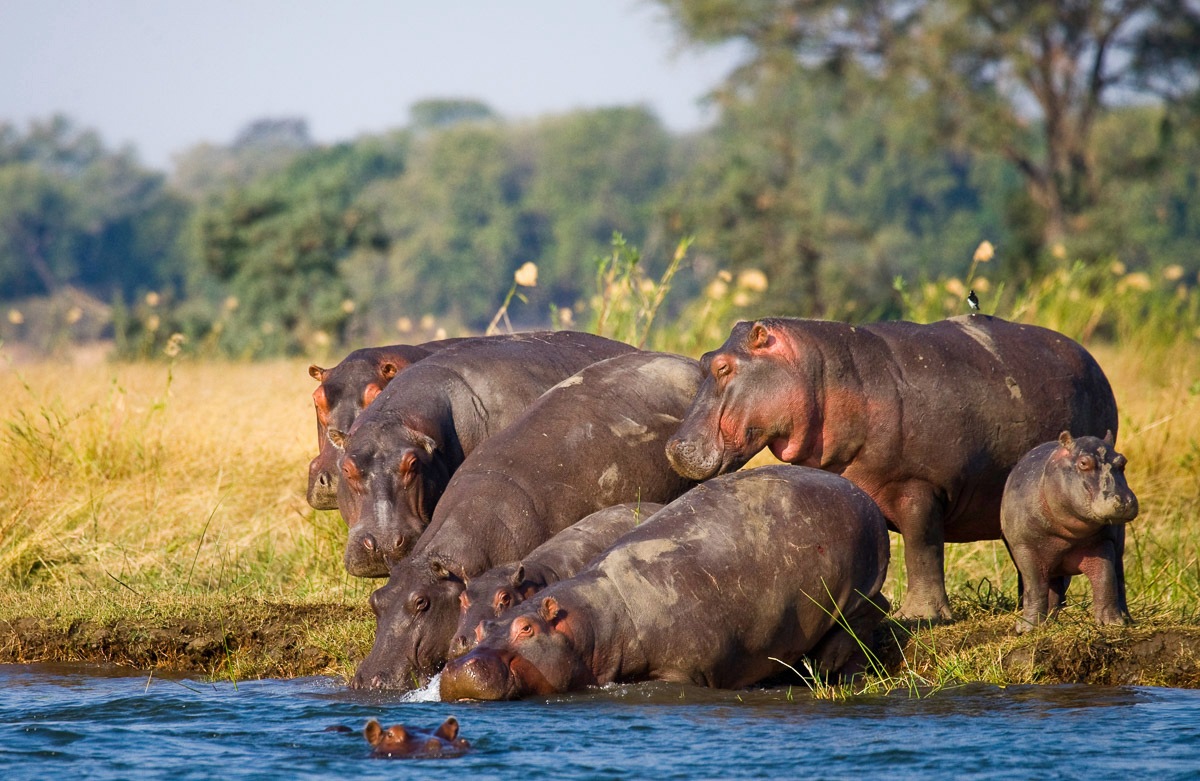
x=325 y=480
x=368 y=542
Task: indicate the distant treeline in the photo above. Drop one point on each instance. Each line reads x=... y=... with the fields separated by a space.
x=857 y=144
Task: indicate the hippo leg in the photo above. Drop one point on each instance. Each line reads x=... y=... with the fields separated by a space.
x=1056 y=596
x=1108 y=592
x=1035 y=589
x=845 y=650
x=920 y=521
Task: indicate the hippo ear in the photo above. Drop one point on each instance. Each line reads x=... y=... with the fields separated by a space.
x=388 y=370
x=373 y=732
x=317 y=373
x=441 y=569
x=410 y=467
x=759 y=337
x=1109 y=439
x=337 y=437
x=449 y=729
x=370 y=392
x=549 y=610
x=1065 y=440
x=518 y=576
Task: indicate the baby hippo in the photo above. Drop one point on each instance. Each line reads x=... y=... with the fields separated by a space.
x=400 y=742
x=1063 y=512
x=560 y=557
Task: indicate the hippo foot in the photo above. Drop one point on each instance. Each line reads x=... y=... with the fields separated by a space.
x=1113 y=617
x=925 y=610
x=1027 y=625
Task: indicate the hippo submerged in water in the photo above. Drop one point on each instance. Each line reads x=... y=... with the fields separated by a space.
x=558 y=558
x=402 y=450
x=401 y=742
x=740 y=576
x=1064 y=510
x=928 y=419
x=593 y=441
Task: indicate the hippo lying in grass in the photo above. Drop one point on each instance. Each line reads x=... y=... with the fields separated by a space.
x=1064 y=512
x=344 y=392
x=927 y=419
x=401 y=451
x=401 y=742
x=558 y=558
x=742 y=575
x=593 y=441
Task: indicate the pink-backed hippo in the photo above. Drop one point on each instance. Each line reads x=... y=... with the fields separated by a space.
x=1064 y=512
x=401 y=451
x=740 y=576
x=401 y=742
x=927 y=419
x=558 y=558
x=345 y=391
x=592 y=441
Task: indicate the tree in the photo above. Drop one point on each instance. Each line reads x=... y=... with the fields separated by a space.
x=441 y=113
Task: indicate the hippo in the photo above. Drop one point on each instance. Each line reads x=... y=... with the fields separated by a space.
x=724 y=587
x=500 y=588
x=1064 y=509
x=401 y=451
x=401 y=742
x=344 y=391
x=592 y=441
x=927 y=419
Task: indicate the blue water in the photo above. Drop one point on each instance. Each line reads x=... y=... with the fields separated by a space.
x=79 y=722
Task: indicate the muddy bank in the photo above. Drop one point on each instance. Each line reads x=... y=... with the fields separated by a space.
x=282 y=640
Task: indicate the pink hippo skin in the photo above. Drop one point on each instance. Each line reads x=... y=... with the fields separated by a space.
x=723 y=587
x=402 y=450
x=592 y=441
x=401 y=742
x=927 y=419
x=488 y=595
x=1064 y=510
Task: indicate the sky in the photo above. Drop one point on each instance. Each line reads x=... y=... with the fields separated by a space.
x=165 y=75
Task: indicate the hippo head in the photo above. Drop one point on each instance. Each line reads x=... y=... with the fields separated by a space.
x=344 y=391
x=532 y=650
x=748 y=400
x=391 y=478
x=415 y=616
x=400 y=742
x=485 y=598
x=1086 y=477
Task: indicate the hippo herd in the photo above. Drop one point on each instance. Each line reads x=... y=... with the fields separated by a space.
x=556 y=510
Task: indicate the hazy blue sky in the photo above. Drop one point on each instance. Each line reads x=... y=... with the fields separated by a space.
x=167 y=74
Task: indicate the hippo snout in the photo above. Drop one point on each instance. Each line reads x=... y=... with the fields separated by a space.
x=363 y=557
x=322 y=486
x=474 y=677
x=694 y=459
x=460 y=645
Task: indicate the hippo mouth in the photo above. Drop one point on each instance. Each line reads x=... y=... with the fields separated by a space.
x=481 y=675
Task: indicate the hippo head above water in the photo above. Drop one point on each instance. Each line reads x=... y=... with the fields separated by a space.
x=485 y=598
x=415 y=616
x=744 y=405
x=401 y=742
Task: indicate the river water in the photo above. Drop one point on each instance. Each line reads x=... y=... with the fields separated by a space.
x=75 y=722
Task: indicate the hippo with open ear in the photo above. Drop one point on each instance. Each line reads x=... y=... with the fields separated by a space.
x=401 y=451
x=1064 y=512
x=488 y=595
x=928 y=419
x=344 y=392
x=740 y=576
x=401 y=742
x=594 y=440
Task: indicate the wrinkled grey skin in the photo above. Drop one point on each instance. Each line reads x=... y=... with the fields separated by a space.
x=401 y=451
x=592 y=441
x=745 y=567
x=558 y=558
x=344 y=392
x=927 y=419
x=1065 y=507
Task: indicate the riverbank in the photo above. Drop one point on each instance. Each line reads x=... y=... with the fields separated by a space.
x=241 y=639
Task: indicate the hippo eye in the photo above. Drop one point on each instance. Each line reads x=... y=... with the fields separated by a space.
x=524 y=629
x=1086 y=463
x=503 y=600
x=722 y=369
x=419 y=605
